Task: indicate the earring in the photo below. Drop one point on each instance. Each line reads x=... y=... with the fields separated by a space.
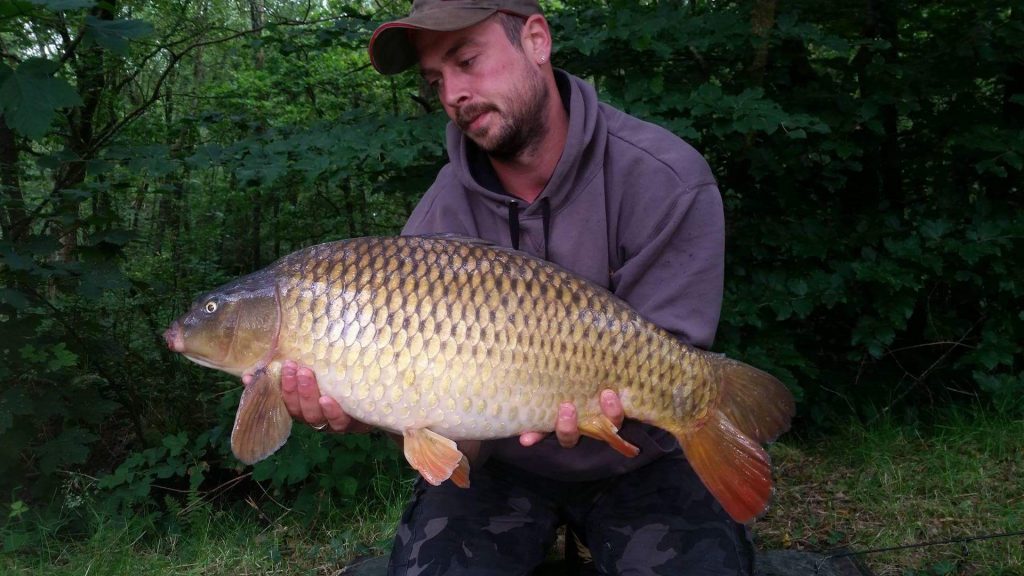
x=543 y=59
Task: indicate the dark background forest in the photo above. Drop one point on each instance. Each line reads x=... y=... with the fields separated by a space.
x=870 y=156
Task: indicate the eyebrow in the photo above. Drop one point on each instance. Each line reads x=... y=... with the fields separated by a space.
x=459 y=45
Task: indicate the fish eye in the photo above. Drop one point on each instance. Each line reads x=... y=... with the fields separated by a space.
x=210 y=307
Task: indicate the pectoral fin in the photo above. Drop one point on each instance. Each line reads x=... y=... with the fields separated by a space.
x=262 y=423
x=601 y=428
x=435 y=457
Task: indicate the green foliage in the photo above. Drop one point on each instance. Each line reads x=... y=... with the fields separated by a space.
x=30 y=96
x=177 y=458
x=115 y=35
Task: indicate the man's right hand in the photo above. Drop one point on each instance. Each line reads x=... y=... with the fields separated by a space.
x=302 y=397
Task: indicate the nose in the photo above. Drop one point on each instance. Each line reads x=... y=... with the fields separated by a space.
x=453 y=91
x=174 y=338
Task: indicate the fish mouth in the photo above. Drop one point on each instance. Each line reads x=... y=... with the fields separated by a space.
x=174 y=338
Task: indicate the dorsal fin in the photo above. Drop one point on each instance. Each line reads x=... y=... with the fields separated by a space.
x=464 y=238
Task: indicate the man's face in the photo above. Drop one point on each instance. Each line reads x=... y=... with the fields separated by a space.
x=492 y=91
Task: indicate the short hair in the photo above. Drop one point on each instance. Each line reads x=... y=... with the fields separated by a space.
x=513 y=25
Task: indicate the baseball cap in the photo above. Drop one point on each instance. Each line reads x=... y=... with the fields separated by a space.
x=391 y=49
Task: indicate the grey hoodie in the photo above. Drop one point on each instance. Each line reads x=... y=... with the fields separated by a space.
x=631 y=207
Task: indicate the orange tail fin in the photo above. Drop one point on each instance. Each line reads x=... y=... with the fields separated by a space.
x=725 y=451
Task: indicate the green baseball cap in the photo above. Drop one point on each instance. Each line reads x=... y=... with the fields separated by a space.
x=391 y=49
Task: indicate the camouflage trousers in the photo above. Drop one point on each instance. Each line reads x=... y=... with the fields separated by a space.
x=659 y=519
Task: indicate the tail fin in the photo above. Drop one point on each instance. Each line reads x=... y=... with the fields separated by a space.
x=758 y=404
x=753 y=407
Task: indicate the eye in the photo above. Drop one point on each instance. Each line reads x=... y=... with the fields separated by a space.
x=467 y=62
x=210 y=307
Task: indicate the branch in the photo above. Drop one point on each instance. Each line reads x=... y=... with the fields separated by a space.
x=71 y=45
x=920 y=378
x=112 y=130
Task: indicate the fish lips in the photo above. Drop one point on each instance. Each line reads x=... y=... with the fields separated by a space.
x=175 y=339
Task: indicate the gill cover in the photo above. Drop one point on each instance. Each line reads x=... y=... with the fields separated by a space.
x=233 y=327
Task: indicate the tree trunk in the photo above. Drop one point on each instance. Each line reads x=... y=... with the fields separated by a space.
x=90 y=78
x=882 y=174
x=13 y=214
x=762 y=19
x=257 y=10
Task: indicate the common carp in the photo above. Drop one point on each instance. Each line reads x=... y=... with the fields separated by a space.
x=442 y=339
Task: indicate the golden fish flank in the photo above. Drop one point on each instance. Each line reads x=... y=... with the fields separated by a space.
x=440 y=339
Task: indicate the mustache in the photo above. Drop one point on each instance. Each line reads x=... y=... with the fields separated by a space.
x=466 y=115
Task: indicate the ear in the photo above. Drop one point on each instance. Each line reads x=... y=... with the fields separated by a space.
x=536 y=38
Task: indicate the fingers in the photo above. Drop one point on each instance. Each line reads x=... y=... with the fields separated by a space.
x=565 y=429
x=611 y=406
x=530 y=438
x=309 y=397
x=289 y=389
x=566 y=426
x=302 y=398
x=338 y=420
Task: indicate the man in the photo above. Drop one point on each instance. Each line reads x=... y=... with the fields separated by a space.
x=538 y=164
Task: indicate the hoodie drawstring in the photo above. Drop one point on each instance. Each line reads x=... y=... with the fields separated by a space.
x=513 y=223
x=545 y=214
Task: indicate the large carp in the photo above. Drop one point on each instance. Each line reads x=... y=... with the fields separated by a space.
x=441 y=339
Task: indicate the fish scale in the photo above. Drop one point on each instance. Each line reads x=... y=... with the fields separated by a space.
x=440 y=338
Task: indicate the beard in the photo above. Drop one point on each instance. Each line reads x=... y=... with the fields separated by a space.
x=520 y=126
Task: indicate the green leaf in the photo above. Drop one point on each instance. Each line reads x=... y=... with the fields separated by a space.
x=176 y=444
x=114 y=35
x=348 y=485
x=71 y=447
x=30 y=96
x=14 y=8
x=100 y=278
x=62 y=358
x=17 y=509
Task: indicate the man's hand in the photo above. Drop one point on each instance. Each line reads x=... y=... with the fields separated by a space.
x=302 y=397
x=567 y=426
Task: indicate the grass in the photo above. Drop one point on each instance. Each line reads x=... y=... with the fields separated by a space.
x=207 y=541
x=866 y=487
x=889 y=485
